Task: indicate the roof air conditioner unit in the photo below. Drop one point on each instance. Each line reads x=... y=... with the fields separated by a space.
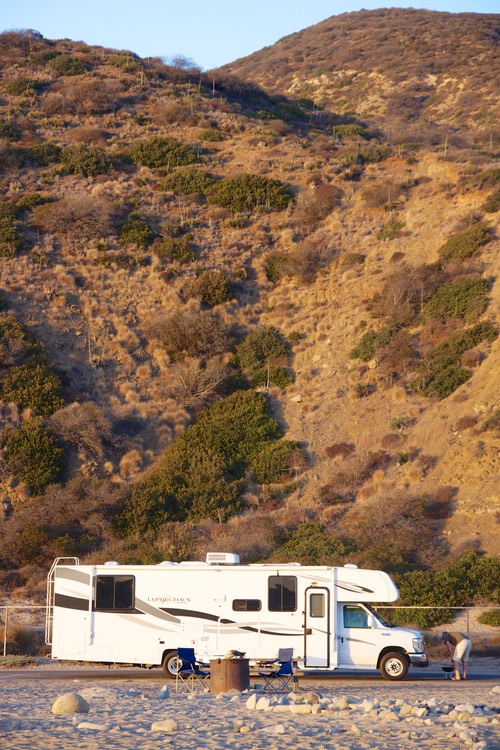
x=223 y=558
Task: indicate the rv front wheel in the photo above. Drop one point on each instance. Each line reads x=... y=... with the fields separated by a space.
x=394 y=666
x=171 y=664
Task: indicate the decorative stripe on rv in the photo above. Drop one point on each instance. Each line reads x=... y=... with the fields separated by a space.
x=353 y=587
x=224 y=621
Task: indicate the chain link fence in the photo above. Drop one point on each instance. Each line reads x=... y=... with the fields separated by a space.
x=23 y=626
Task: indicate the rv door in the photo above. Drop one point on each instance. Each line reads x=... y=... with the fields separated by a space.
x=317 y=627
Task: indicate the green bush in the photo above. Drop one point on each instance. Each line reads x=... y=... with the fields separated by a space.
x=348 y=131
x=187 y=181
x=31 y=200
x=490 y=618
x=274 y=463
x=460 y=298
x=33 y=386
x=487 y=178
x=466 y=243
x=247 y=192
x=136 y=231
x=43 y=154
x=176 y=248
x=259 y=346
x=22 y=86
x=492 y=203
x=33 y=455
x=163 y=152
x=468 y=580
x=211 y=135
x=273 y=266
x=8 y=131
x=374 y=153
x=279 y=376
x=212 y=288
x=352 y=259
x=442 y=371
x=126 y=62
x=89 y=161
x=391 y=230
x=202 y=475
x=370 y=342
x=312 y=544
x=43 y=56
x=66 y=66
x=10 y=239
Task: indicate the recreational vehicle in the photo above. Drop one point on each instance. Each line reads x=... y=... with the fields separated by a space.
x=141 y=614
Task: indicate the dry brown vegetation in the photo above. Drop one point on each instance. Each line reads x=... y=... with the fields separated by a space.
x=350 y=258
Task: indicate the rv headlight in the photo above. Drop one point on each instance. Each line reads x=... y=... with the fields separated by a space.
x=418 y=644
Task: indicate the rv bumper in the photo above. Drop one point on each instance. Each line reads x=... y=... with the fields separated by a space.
x=418 y=660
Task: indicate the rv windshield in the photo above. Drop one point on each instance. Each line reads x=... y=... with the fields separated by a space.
x=378 y=617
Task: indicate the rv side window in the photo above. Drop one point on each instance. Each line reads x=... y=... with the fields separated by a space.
x=317 y=605
x=114 y=592
x=247 y=605
x=355 y=617
x=282 y=594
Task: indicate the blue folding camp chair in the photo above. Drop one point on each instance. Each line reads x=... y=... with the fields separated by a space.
x=278 y=680
x=189 y=677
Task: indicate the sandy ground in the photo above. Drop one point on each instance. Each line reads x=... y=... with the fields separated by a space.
x=353 y=714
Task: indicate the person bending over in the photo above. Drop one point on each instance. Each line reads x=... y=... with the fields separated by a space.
x=459 y=647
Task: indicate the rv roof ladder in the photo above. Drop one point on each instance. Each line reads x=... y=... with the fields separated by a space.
x=49 y=611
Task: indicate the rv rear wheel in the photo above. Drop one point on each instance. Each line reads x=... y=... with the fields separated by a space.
x=394 y=666
x=171 y=664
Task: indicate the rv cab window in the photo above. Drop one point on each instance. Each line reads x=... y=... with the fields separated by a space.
x=282 y=594
x=355 y=617
x=247 y=605
x=114 y=592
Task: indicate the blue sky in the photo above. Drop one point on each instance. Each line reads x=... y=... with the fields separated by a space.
x=211 y=32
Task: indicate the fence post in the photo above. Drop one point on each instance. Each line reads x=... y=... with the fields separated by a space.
x=468 y=624
x=5 y=631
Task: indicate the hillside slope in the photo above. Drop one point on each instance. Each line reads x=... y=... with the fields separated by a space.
x=172 y=245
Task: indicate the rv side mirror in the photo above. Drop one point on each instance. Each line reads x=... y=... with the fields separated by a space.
x=372 y=621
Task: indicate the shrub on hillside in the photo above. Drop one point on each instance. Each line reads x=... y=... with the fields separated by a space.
x=275 y=462
x=467 y=242
x=8 y=131
x=247 y=192
x=211 y=135
x=391 y=230
x=311 y=543
x=33 y=455
x=159 y=151
x=348 y=131
x=305 y=261
x=10 y=239
x=136 y=231
x=352 y=259
x=315 y=205
x=29 y=201
x=492 y=203
x=40 y=155
x=66 y=66
x=83 y=425
x=22 y=86
x=202 y=474
x=460 y=298
x=8 y=159
x=193 y=333
x=261 y=346
x=442 y=372
x=32 y=386
x=273 y=266
x=89 y=161
x=127 y=62
x=370 y=342
x=196 y=385
x=266 y=376
x=175 y=248
x=491 y=618
x=211 y=287
x=187 y=181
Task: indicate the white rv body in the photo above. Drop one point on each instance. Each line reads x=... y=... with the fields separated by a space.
x=141 y=614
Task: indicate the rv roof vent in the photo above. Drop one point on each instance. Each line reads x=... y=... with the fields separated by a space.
x=111 y=562
x=350 y=565
x=166 y=564
x=223 y=558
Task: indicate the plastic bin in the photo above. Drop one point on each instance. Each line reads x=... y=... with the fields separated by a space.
x=229 y=674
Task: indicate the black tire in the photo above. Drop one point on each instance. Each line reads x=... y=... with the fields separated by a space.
x=170 y=664
x=394 y=666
